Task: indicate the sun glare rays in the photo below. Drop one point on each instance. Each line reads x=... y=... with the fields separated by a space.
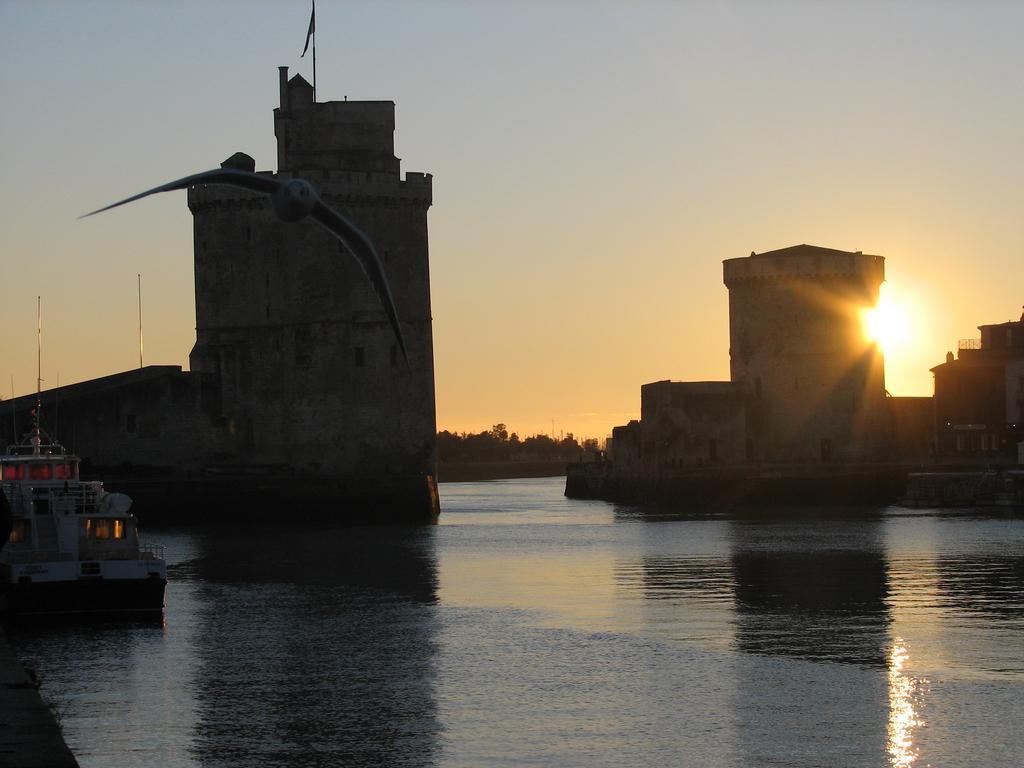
x=887 y=323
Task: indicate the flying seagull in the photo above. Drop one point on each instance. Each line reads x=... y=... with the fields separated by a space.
x=295 y=199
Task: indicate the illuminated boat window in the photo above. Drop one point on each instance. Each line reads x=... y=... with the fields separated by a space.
x=20 y=531
x=40 y=472
x=104 y=528
x=14 y=472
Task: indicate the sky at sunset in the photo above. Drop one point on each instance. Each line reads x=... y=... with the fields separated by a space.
x=593 y=165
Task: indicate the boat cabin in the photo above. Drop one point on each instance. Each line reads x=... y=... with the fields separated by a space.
x=52 y=509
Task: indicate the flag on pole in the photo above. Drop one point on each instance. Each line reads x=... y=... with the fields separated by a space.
x=312 y=28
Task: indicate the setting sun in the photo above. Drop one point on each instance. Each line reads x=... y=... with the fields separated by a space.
x=887 y=323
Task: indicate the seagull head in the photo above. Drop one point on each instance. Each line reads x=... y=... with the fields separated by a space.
x=293 y=200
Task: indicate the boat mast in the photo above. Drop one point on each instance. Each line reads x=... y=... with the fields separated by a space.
x=140 y=319
x=36 y=438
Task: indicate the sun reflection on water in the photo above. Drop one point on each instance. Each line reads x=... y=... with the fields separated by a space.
x=903 y=718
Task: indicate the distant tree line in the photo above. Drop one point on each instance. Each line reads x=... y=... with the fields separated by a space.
x=496 y=444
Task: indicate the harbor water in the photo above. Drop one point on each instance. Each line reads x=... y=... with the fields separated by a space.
x=527 y=629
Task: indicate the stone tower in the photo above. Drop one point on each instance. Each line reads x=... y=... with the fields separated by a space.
x=311 y=380
x=796 y=342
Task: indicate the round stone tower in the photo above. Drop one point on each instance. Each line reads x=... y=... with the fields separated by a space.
x=797 y=343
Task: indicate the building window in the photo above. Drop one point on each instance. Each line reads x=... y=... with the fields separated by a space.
x=130 y=423
x=360 y=357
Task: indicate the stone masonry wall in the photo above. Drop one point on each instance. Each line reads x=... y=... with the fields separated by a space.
x=797 y=343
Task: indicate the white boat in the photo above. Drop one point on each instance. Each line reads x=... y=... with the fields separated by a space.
x=73 y=548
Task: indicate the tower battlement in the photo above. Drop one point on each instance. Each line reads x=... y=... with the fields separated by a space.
x=806 y=262
x=340 y=189
x=332 y=135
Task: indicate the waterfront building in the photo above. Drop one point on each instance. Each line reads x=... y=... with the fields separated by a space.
x=979 y=395
x=695 y=423
x=797 y=343
x=805 y=416
x=310 y=370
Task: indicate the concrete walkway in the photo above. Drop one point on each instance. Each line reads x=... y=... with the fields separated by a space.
x=29 y=736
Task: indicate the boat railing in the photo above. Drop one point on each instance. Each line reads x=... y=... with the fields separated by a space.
x=80 y=499
x=45 y=448
x=77 y=499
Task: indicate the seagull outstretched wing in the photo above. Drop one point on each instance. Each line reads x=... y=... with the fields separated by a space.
x=232 y=177
x=362 y=249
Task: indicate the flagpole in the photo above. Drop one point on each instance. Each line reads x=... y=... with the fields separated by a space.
x=311 y=38
x=37 y=411
x=39 y=345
